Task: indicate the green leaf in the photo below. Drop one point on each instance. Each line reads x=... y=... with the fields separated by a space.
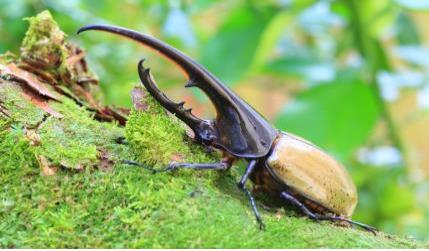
x=292 y=66
x=369 y=20
x=308 y=68
x=376 y=15
x=407 y=32
x=230 y=53
x=378 y=58
x=302 y=4
x=337 y=117
x=270 y=37
x=400 y=199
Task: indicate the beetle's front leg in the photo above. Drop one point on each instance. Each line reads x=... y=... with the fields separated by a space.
x=224 y=164
x=242 y=185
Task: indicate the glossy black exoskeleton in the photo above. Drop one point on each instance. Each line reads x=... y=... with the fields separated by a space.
x=281 y=164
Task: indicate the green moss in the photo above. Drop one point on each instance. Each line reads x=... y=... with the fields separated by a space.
x=15 y=149
x=60 y=148
x=44 y=41
x=129 y=207
x=157 y=139
x=76 y=140
x=4 y=124
x=8 y=57
x=20 y=109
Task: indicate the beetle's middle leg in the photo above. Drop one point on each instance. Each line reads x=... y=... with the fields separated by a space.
x=290 y=198
x=242 y=185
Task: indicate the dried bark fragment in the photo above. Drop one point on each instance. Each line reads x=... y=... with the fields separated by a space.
x=41 y=103
x=138 y=97
x=107 y=113
x=44 y=75
x=33 y=137
x=44 y=166
x=106 y=163
x=13 y=72
x=178 y=157
x=48 y=56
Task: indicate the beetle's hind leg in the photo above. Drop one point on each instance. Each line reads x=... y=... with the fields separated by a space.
x=290 y=198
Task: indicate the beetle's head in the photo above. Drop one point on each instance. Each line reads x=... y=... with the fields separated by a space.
x=205 y=133
x=237 y=128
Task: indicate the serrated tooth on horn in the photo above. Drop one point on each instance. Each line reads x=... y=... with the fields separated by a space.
x=190 y=83
x=181 y=104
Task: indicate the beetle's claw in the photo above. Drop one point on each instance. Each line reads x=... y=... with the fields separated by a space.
x=261 y=226
x=261 y=223
x=368 y=228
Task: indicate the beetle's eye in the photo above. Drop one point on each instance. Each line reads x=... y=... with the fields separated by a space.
x=207 y=136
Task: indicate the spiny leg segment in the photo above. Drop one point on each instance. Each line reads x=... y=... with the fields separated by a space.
x=290 y=198
x=242 y=185
x=222 y=165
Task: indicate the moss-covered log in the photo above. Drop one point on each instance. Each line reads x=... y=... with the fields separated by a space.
x=63 y=184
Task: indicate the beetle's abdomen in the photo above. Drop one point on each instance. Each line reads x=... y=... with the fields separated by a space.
x=314 y=174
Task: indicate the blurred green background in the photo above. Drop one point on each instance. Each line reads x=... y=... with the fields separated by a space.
x=351 y=76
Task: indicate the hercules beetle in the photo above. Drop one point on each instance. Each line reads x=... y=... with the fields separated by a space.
x=279 y=163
